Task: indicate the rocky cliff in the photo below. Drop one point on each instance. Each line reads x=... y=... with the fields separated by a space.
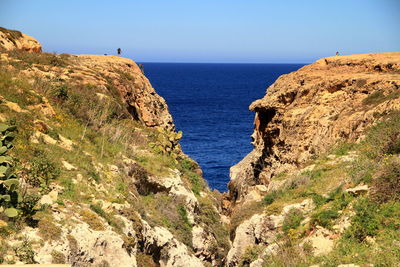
x=11 y=39
x=306 y=112
x=320 y=187
x=91 y=169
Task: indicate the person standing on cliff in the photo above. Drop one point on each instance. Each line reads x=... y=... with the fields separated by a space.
x=141 y=66
x=337 y=53
x=119 y=51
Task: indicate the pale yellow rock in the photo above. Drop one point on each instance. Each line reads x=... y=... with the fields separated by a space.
x=14 y=107
x=3 y=224
x=358 y=190
x=18 y=41
x=202 y=243
x=68 y=166
x=260 y=227
x=66 y=143
x=173 y=253
x=39 y=136
x=49 y=198
x=321 y=240
x=307 y=112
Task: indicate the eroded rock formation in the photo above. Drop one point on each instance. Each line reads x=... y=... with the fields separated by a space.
x=306 y=112
x=10 y=39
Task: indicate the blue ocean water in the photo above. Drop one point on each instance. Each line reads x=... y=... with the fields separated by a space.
x=209 y=103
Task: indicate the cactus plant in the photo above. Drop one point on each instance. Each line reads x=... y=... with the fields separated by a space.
x=9 y=193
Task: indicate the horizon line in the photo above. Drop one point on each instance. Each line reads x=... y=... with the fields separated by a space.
x=180 y=62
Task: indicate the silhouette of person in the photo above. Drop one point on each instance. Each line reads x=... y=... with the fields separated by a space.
x=119 y=51
x=337 y=53
x=141 y=66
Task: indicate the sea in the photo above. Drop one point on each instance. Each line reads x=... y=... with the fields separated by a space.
x=209 y=104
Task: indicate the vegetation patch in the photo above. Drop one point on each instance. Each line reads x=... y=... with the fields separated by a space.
x=386 y=187
x=41 y=171
x=378 y=97
x=25 y=59
x=211 y=221
x=292 y=220
x=58 y=257
x=48 y=230
x=164 y=210
x=92 y=219
x=111 y=220
x=251 y=254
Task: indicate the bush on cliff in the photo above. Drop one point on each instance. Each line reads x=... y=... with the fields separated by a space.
x=292 y=220
x=386 y=187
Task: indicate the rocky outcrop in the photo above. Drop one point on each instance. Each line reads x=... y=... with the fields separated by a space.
x=10 y=39
x=142 y=101
x=262 y=230
x=139 y=206
x=168 y=252
x=306 y=112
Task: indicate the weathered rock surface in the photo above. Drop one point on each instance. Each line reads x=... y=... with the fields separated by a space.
x=10 y=40
x=160 y=243
x=305 y=112
x=262 y=230
x=143 y=103
x=259 y=229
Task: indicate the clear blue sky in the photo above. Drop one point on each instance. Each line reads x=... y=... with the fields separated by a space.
x=209 y=30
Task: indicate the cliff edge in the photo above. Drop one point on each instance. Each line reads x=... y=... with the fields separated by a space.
x=306 y=112
x=321 y=187
x=11 y=39
x=91 y=170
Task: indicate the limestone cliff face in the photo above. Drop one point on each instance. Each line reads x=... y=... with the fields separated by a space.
x=306 y=112
x=121 y=193
x=10 y=40
x=142 y=101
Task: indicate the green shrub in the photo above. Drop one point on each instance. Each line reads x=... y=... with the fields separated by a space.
x=111 y=220
x=318 y=199
x=343 y=149
x=270 y=197
x=27 y=206
x=384 y=138
x=61 y=92
x=251 y=254
x=292 y=220
x=53 y=134
x=324 y=218
x=188 y=168
x=187 y=164
x=25 y=253
x=95 y=175
x=161 y=209
x=197 y=183
x=42 y=170
x=365 y=222
x=374 y=98
x=184 y=216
